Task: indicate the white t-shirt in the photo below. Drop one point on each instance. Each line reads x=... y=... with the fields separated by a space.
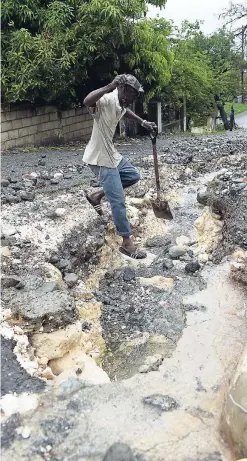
x=100 y=149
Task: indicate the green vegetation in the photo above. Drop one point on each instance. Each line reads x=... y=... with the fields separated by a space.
x=56 y=51
x=238 y=107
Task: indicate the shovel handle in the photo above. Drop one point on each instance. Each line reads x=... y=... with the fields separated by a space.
x=156 y=166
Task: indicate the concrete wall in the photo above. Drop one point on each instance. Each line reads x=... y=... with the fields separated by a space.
x=43 y=125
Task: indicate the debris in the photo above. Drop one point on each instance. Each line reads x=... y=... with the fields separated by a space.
x=152 y=363
x=60 y=212
x=71 y=279
x=203 y=196
x=8 y=230
x=161 y=402
x=192 y=266
x=176 y=251
x=24 y=431
x=10 y=281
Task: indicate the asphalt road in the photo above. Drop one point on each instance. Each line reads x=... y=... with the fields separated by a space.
x=241 y=120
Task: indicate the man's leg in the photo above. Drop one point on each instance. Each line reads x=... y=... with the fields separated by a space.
x=128 y=173
x=113 y=189
x=96 y=197
x=129 y=176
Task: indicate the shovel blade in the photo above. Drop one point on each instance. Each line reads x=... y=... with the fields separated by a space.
x=161 y=209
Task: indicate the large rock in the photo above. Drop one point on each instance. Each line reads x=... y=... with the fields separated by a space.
x=203 y=196
x=5 y=251
x=158 y=241
x=53 y=274
x=81 y=366
x=4 y=182
x=60 y=212
x=176 y=251
x=12 y=198
x=137 y=202
x=8 y=230
x=10 y=281
x=71 y=279
x=27 y=196
x=167 y=264
x=58 y=343
x=209 y=230
x=182 y=240
x=192 y=267
x=46 y=310
x=152 y=363
x=234 y=418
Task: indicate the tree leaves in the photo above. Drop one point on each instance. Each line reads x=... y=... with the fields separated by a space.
x=204 y=66
x=49 y=47
x=58 y=50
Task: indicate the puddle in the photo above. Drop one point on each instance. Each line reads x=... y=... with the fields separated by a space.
x=142 y=321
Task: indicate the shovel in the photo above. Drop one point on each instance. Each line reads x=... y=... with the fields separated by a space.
x=161 y=208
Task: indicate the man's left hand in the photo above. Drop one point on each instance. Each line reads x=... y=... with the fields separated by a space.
x=151 y=127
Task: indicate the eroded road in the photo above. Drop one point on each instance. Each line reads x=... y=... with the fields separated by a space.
x=166 y=335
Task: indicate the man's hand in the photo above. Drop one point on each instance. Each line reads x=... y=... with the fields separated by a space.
x=118 y=80
x=150 y=126
x=92 y=98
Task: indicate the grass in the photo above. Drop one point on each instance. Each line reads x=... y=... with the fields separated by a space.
x=237 y=106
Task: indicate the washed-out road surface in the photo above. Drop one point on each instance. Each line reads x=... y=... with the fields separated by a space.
x=99 y=349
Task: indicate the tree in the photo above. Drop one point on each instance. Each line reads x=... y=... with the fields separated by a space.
x=206 y=71
x=224 y=58
x=192 y=76
x=55 y=51
x=235 y=18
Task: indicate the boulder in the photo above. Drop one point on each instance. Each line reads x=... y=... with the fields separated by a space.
x=78 y=365
x=47 y=310
x=176 y=251
x=56 y=344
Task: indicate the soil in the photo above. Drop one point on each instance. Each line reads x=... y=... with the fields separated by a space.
x=155 y=308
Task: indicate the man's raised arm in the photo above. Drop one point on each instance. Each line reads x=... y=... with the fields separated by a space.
x=91 y=99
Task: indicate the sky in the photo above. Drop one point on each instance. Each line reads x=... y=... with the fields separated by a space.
x=206 y=10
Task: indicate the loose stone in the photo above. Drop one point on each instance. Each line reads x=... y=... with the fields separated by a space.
x=4 y=183
x=27 y=196
x=71 y=279
x=202 y=196
x=192 y=267
x=176 y=251
x=161 y=402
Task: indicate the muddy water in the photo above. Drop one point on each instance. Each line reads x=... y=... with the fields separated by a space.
x=137 y=321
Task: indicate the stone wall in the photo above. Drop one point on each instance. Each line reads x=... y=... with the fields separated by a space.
x=43 y=125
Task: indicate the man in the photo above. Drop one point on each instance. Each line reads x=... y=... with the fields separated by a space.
x=107 y=106
x=232 y=119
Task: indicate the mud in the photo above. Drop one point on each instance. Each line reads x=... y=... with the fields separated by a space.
x=128 y=310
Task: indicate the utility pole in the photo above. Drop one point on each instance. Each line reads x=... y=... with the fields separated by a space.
x=243 y=46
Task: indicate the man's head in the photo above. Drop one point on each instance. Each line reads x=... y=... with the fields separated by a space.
x=128 y=89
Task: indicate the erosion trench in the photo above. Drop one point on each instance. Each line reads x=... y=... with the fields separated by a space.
x=100 y=348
